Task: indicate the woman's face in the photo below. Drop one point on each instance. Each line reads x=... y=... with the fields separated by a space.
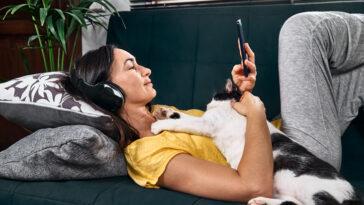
x=132 y=78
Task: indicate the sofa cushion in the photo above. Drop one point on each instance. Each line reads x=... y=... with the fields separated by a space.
x=108 y=191
x=68 y=152
x=41 y=101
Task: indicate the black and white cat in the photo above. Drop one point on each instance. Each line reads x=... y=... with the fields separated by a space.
x=299 y=177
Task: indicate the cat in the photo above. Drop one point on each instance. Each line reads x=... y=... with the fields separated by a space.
x=300 y=178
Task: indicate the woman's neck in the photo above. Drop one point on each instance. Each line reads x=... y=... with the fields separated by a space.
x=139 y=117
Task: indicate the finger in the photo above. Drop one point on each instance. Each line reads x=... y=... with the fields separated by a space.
x=249 y=51
x=250 y=78
x=237 y=69
x=252 y=67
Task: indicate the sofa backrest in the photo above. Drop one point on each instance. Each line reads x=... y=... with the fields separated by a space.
x=191 y=52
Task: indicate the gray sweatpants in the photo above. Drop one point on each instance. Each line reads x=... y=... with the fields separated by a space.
x=321 y=75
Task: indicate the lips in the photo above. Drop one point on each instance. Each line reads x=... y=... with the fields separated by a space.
x=148 y=83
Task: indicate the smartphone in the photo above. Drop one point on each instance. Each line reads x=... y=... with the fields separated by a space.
x=239 y=27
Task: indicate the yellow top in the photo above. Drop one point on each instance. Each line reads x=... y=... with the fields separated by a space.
x=147 y=157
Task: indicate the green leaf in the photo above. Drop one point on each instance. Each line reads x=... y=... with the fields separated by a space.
x=74 y=16
x=60 y=12
x=32 y=38
x=111 y=8
x=72 y=27
x=35 y=3
x=81 y=8
x=7 y=12
x=6 y=7
x=60 y=31
x=43 y=12
x=16 y=8
x=32 y=47
x=47 y=3
x=85 y=3
x=107 y=5
x=50 y=27
x=80 y=15
x=92 y=21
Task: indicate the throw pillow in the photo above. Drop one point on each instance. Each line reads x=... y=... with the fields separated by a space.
x=67 y=152
x=40 y=101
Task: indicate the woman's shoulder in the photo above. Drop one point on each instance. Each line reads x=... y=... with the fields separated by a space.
x=163 y=140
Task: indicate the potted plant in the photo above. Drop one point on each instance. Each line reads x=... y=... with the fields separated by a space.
x=54 y=26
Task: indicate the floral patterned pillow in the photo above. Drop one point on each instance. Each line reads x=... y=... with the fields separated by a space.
x=40 y=101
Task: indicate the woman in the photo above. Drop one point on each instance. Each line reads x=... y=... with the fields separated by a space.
x=174 y=161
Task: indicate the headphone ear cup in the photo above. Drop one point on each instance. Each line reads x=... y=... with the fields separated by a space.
x=110 y=95
x=107 y=95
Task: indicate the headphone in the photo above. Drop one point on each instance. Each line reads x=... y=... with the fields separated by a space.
x=107 y=95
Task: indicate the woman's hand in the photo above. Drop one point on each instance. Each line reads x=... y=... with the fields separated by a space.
x=249 y=105
x=245 y=83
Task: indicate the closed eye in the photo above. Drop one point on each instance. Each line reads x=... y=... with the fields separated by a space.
x=131 y=64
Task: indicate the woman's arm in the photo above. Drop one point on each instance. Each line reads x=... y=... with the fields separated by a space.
x=254 y=176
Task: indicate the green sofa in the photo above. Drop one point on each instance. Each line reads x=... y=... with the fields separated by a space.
x=191 y=52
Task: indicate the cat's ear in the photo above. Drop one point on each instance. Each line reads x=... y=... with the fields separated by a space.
x=229 y=85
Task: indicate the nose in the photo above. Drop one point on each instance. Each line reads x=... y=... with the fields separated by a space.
x=145 y=71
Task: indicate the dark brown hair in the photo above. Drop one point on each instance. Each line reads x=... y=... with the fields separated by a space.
x=94 y=67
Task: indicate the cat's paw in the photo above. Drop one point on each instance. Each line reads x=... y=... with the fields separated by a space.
x=159 y=126
x=258 y=201
x=165 y=113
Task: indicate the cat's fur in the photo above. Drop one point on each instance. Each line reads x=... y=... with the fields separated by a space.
x=299 y=176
